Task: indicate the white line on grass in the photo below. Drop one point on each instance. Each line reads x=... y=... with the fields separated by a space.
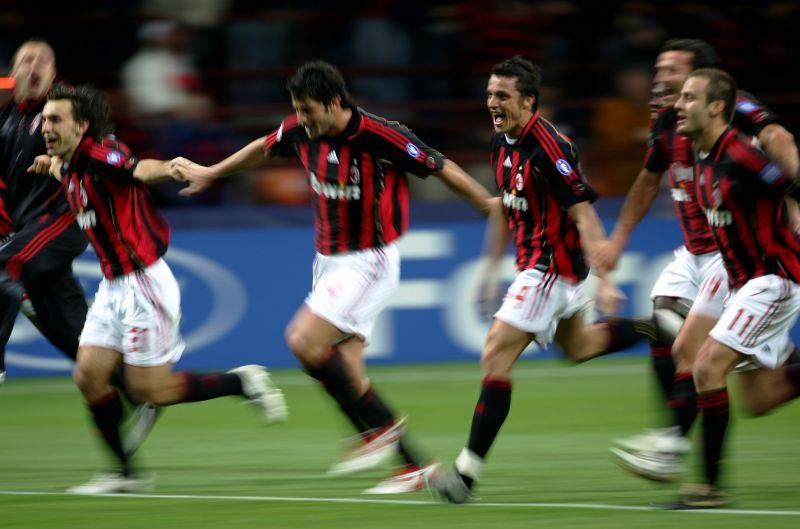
x=300 y=499
x=403 y=374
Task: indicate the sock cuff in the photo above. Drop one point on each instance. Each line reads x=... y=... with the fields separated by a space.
x=683 y=376
x=111 y=396
x=714 y=401
x=660 y=351
x=469 y=464
x=496 y=383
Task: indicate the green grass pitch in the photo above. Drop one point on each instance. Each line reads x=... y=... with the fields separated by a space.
x=218 y=466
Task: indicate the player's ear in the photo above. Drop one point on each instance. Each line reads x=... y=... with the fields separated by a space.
x=717 y=107
x=528 y=102
x=83 y=126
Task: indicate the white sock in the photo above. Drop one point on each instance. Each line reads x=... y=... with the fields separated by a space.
x=469 y=464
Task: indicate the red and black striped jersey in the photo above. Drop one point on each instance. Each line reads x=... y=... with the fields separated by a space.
x=126 y=230
x=742 y=194
x=669 y=151
x=357 y=179
x=539 y=178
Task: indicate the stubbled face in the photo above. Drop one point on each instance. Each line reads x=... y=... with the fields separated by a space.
x=658 y=94
x=61 y=132
x=34 y=70
x=509 y=109
x=316 y=118
x=694 y=111
x=672 y=70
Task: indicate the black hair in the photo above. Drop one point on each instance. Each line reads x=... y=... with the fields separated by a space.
x=320 y=81
x=703 y=54
x=721 y=87
x=89 y=105
x=527 y=74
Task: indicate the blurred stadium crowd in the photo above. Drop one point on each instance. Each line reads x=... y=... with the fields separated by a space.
x=199 y=78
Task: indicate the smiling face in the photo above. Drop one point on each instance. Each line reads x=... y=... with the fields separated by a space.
x=61 y=132
x=315 y=117
x=510 y=110
x=672 y=70
x=34 y=70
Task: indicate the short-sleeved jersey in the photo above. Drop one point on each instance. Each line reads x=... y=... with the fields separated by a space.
x=672 y=152
x=357 y=179
x=741 y=194
x=115 y=209
x=24 y=196
x=539 y=178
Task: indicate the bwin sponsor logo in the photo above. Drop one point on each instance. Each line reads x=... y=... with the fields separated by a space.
x=514 y=202
x=335 y=191
x=719 y=217
x=86 y=219
x=679 y=195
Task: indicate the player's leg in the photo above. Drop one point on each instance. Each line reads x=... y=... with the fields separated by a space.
x=764 y=390
x=683 y=399
x=11 y=292
x=152 y=343
x=92 y=375
x=714 y=361
x=60 y=306
x=328 y=335
x=10 y=300
x=504 y=345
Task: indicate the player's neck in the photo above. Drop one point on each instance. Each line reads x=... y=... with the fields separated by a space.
x=341 y=120
x=710 y=135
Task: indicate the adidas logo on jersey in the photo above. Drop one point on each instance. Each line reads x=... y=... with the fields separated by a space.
x=507 y=163
x=332 y=158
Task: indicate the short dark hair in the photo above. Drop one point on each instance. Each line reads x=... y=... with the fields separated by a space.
x=528 y=75
x=721 y=87
x=703 y=54
x=320 y=81
x=32 y=40
x=88 y=104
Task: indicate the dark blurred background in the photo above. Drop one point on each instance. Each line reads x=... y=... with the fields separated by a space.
x=200 y=78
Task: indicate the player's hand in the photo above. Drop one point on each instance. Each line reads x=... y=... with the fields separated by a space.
x=605 y=256
x=490 y=296
x=55 y=167
x=609 y=299
x=199 y=176
x=40 y=165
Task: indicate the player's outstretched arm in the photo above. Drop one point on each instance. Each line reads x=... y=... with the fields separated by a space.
x=462 y=183
x=201 y=177
x=637 y=203
x=495 y=244
x=152 y=171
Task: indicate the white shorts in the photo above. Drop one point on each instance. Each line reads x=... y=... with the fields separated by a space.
x=138 y=315
x=710 y=301
x=351 y=289
x=757 y=320
x=535 y=303
x=684 y=275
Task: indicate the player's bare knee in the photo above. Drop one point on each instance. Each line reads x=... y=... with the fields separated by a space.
x=306 y=351
x=705 y=375
x=90 y=382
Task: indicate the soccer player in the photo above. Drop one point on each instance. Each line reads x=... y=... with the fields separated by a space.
x=356 y=164
x=41 y=237
x=38 y=232
x=547 y=204
x=741 y=192
x=134 y=318
x=696 y=277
